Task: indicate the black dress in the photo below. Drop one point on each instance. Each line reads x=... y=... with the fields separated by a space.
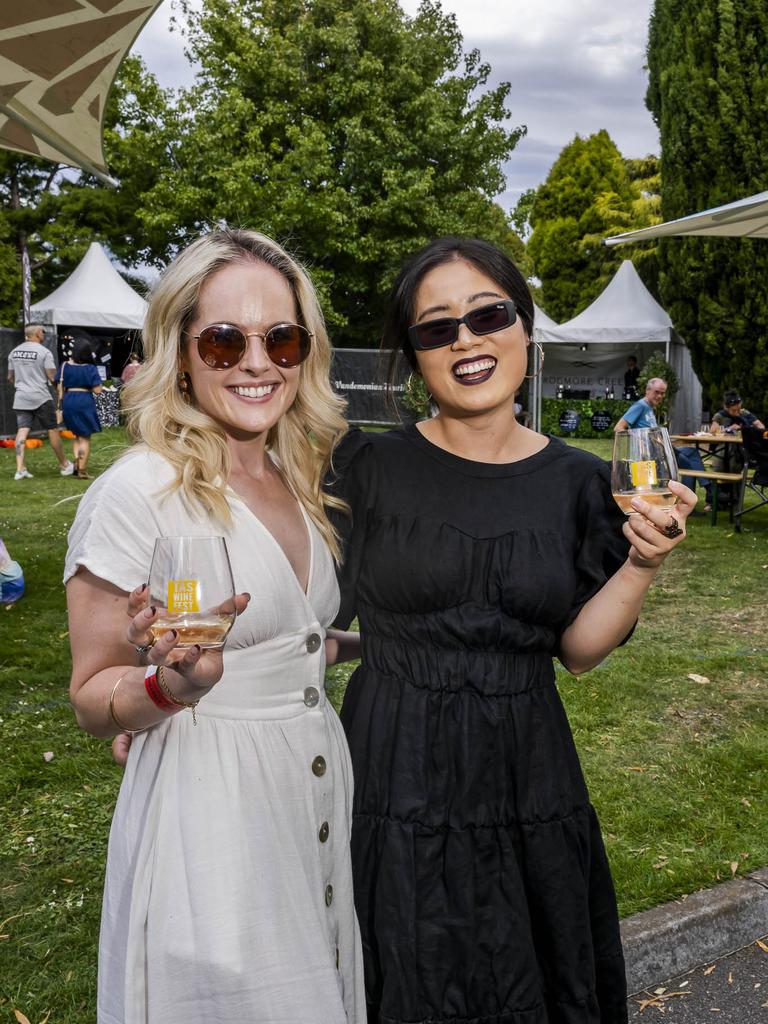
x=481 y=882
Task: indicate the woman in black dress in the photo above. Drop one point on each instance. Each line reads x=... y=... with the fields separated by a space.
x=479 y=550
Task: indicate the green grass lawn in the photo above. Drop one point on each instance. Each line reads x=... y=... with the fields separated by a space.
x=671 y=730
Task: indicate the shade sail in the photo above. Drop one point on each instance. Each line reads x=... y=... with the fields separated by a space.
x=747 y=218
x=540 y=318
x=624 y=312
x=58 y=59
x=94 y=295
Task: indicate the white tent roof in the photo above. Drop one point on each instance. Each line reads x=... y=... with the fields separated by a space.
x=94 y=295
x=540 y=318
x=624 y=312
x=746 y=217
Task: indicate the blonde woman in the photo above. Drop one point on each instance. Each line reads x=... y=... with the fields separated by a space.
x=228 y=887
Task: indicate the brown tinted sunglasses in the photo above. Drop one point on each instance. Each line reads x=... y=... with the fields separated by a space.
x=222 y=346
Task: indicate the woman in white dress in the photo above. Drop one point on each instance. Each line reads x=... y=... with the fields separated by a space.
x=228 y=893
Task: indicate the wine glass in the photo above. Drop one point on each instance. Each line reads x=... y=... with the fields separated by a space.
x=643 y=464
x=191 y=585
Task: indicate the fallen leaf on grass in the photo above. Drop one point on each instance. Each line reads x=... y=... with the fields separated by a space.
x=695 y=678
x=708 y=970
x=762 y=945
x=21 y=1018
x=48 y=756
x=734 y=867
x=62 y=635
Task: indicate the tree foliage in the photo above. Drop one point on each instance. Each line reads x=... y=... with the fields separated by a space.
x=343 y=128
x=708 y=93
x=590 y=192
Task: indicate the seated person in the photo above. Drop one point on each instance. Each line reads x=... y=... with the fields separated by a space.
x=11 y=578
x=733 y=417
x=643 y=414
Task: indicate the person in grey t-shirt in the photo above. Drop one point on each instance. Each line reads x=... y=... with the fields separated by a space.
x=31 y=369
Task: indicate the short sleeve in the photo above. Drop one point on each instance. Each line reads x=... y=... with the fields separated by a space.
x=602 y=547
x=350 y=479
x=632 y=415
x=49 y=363
x=93 y=377
x=116 y=524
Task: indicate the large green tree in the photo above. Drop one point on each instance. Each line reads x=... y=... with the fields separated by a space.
x=590 y=192
x=708 y=93
x=344 y=128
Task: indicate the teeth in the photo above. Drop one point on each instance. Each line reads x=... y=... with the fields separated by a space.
x=466 y=368
x=259 y=392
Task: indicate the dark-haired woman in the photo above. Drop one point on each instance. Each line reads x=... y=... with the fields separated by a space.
x=478 y=551
x=79 y=381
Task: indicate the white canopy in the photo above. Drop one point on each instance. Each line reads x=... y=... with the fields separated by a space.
x=540 y=318
x=94 y=295
x=746 y=218
x=590 y=351
x=624 y=312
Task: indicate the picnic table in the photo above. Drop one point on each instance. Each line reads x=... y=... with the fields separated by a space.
x=710 y=445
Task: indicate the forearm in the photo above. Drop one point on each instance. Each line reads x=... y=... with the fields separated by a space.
x=341 y=646
x=132 y=707
x=605 y=619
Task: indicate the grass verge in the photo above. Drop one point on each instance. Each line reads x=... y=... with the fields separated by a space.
x=672 y=730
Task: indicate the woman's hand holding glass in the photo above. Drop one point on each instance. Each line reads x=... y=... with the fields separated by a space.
x=653 y=532
x=202 y=668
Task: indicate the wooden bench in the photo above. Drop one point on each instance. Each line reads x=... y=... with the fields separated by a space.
x=717 y=478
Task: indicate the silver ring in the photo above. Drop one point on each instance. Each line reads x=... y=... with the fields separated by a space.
x=144 y=648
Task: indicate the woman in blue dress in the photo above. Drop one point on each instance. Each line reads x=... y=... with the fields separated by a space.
x=79 y=381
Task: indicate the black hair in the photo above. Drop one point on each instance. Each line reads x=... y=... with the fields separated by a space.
x=81 y=351
x=731 y=398
x=487 y=258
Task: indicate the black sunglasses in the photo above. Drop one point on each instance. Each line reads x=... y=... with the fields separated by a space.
x=223 y=345
x=483 y=320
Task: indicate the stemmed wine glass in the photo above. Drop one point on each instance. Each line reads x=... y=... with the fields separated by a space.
x=643 y=464
x=191 y=585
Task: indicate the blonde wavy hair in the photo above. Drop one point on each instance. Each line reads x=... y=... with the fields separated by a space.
x=160 y=418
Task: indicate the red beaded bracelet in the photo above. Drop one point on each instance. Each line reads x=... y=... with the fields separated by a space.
x=156 y=695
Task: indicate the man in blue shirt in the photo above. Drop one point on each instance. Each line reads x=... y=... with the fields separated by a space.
x=642 y=414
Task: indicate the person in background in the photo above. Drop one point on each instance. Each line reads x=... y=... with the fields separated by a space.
x=131 y=367
x=643 y=414
x=79 y=381
x=11 y=578
x=31 y=369
x=630 y=377
x=733 y=416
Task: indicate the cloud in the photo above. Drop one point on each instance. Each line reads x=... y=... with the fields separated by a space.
x=574 y=68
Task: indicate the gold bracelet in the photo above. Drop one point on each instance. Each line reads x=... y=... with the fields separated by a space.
x=113 y=714
x=191 y=704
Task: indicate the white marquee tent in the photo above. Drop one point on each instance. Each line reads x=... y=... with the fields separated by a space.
x=94 y=295
x=590 y=351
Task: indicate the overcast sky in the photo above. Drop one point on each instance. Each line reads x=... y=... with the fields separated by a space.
x=575 y=67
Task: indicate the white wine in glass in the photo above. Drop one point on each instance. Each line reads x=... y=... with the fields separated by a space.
x=191 y=585
x=643 y=464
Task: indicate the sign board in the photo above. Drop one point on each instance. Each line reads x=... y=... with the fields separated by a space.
x=569 y=421
x=601 y=421
x=361 y=375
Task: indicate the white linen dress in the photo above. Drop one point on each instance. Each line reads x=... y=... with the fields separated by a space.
x=228 y=891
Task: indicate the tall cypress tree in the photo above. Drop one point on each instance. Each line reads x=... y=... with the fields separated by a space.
x=708 y=93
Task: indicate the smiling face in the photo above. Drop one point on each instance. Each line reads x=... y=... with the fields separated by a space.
x=477 y=373
x=655 y=392
x=248 y=399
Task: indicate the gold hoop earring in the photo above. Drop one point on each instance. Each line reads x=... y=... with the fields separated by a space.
x=530 y=376
x=184 y=385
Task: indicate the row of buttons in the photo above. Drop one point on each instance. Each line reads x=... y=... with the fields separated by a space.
x=312 y=694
